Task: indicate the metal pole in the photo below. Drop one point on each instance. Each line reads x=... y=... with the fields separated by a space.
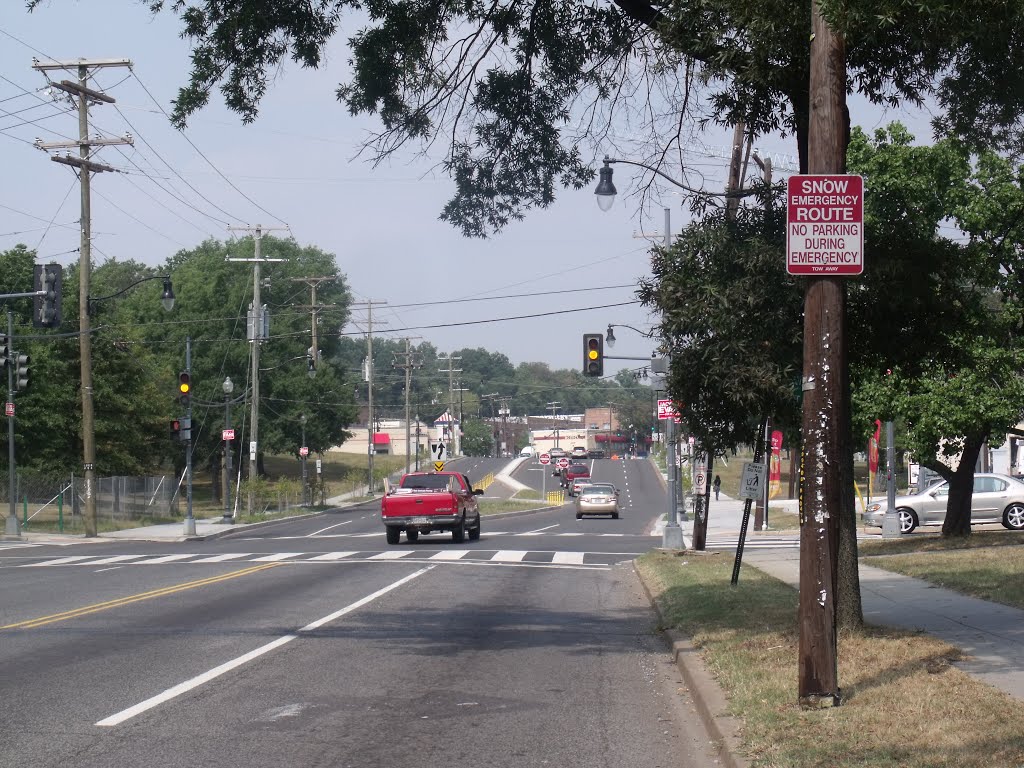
x=369 y=394
x=11 y=527
x=190 y=521
x=672 y=537
x=228 y=515
x=891 y=521
x=303 y=457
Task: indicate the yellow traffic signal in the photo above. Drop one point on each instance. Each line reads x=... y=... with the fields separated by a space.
x=185 y=388
x=593 y=354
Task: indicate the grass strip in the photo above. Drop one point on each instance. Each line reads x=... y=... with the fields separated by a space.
x=903 y=702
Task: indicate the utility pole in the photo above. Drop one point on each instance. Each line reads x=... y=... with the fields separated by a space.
x=368 y=377
x=553 y=407
x=407 y=365
x=451 y=398
x=732 y=204
x=504 y=412
x=86 y=167
x=314 y=308
x=824 y=393
x=258 y=330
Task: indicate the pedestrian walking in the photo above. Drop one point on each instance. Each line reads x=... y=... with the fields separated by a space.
x=717 y=486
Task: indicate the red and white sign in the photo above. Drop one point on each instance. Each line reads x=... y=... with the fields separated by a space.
x=9 y=409
x=667 y=410
x=545 y=458
x=227 y=434
x=563 y=463
x=303 y=451
x=825 y=225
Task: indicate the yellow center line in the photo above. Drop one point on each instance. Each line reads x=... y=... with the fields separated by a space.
x=97 y=607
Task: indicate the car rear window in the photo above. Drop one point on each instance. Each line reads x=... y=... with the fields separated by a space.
x=426 y=482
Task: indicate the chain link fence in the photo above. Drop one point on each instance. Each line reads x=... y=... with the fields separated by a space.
x=56 y=502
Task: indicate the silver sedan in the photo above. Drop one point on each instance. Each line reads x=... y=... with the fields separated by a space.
x=996 y=499
x=598 y=499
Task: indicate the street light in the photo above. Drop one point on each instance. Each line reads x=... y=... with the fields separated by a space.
x=85 y=354
x=609 y=336
x=228 y=387
x=605 y=192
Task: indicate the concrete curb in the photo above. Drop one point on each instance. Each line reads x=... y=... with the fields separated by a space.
x=708 y=697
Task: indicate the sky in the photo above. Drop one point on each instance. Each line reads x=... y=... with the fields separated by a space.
x=297 y=166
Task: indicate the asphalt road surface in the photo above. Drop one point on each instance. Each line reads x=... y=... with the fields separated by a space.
x=311 y=642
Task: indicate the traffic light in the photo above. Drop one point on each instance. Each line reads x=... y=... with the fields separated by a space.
x=593 y=354
x=49 y=279
x=5 y=349
x=175 y=429
x=185 y=389
x=20 y=363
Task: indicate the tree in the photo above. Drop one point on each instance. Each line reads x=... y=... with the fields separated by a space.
x=477 y=438
x=520 y=90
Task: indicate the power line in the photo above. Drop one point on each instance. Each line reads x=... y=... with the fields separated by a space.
x=200 y=153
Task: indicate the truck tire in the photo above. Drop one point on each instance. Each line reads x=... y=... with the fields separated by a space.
x=474 y=533
x=459 y=531
x=412 y=534
x=393 y=534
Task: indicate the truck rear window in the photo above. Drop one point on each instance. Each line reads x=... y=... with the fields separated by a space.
x=427 y=482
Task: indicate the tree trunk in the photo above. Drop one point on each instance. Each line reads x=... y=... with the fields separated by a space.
x=961 y=490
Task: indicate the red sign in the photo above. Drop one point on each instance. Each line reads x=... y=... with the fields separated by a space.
x=227 y=434
x=775 y=466
x=9 y=409
x=667 y=410
x=563 y=463
x=825 y=225
x=303 y=451
x=545 y=458
x=873 y=448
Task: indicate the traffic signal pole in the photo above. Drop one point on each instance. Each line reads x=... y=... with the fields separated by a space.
x=11 y=526
x=190 y=521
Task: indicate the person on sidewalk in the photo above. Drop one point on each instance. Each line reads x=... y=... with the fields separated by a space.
x=716 y=485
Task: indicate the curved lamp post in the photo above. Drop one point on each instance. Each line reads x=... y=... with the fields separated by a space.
x=609 y=336
x=605 y=192
x=88 y=411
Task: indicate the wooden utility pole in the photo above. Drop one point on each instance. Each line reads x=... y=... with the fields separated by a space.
x=314 y=308
x=732 y=203
x=824 y=393
x=368 y=375
x=452 y=439
x=86 y=167
x=257 y=328
x=407 y=365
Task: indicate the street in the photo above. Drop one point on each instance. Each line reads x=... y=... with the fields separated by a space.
x=311 y=642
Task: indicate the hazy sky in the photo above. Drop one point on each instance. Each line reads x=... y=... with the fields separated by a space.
x=297 y=163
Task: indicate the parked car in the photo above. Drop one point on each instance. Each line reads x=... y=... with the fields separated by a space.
x=527 y=451
x=595 y=454
x=598 y=499
x=574 y=472
x=996 y=499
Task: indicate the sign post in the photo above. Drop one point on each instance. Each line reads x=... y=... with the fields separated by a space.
x=825 y=225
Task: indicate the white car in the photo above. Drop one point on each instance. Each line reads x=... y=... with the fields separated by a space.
x=996 y=499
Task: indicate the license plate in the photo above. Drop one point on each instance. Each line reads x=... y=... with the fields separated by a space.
x=420 y=520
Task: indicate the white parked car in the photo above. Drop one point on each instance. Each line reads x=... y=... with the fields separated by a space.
x=996 y=499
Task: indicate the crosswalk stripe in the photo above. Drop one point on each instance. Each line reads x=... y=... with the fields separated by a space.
x=509 y=556
x=222 y=558
x=62 y=560
x=276 y=557
x=568 y=558
x=115 y=559
x=166 y=559
x=450 y=554
x=333 y=555
x=390 y=555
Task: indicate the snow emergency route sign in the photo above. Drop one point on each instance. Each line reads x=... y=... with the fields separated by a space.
x=825 y=225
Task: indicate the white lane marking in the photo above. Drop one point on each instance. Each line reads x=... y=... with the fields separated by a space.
x=115 y=559
x=333 y=556
x=59 y=561
x=450 y=554
x=509 y=556
x=539 y=530
x=165 y=559
x=222 y=558
x=216 y=672
x=104 y=570
x=276 y=557
x=390 y=555
x=314 y=533
x=568 y=558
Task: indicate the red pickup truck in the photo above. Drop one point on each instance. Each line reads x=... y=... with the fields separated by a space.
x=431 y=501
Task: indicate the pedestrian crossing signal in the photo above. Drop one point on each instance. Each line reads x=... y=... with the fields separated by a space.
x=593 y=354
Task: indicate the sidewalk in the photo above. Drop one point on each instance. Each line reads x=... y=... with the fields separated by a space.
x=990 y=634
